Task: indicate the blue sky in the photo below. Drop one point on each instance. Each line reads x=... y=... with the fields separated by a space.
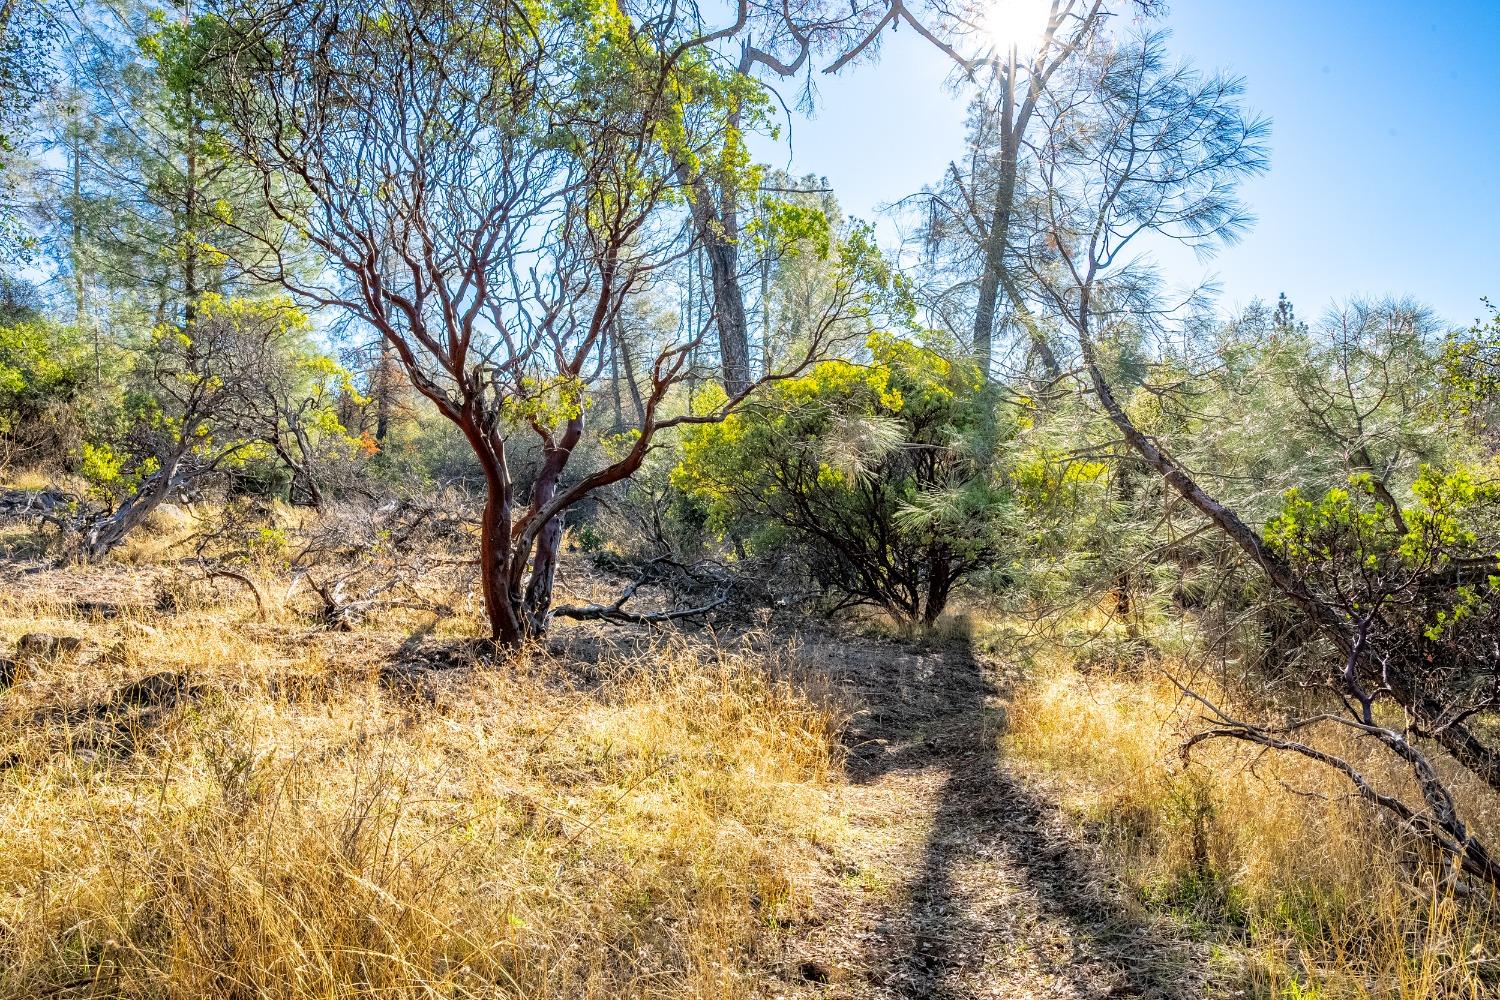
x=1385 y=163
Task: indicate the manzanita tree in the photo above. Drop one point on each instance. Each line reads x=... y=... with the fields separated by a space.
x=487 y=185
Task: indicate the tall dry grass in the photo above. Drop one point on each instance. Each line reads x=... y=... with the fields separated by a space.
x=1258 y=850
x=298 y=824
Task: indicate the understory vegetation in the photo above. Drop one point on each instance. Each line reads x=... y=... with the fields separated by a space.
x=468 y=528
x=1308 y=897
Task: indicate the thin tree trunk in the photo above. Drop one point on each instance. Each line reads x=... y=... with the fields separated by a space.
x=996 y=276
x=717 y=222
x=548 y=543
x=80 y=302
x=384 y=375
x=638 y=406
x=617 y=398
x=998 y=234
x=939 y=584
x=190 y=197
x=765 y=308
x=304 y=467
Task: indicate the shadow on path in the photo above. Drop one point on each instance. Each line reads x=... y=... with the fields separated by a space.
x=1004 y=902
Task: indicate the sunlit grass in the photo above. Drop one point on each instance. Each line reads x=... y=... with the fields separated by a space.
x=1264 y=850
x=298 y=828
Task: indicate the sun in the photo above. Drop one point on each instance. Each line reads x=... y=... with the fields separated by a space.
x=1019 y=24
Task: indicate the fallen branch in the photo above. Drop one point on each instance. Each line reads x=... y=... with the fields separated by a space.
x=210 y=573
x=650 y=572
x=615 y=612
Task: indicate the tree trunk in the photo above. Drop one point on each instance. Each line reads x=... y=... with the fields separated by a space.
x=384 y=378
x=718 y=227
x=543 y=573
x=80 y=287
x=190 y=236
x=494 y=568
x=303 y=467
x=617 y=398
x=996 y=274
x=627 y=367
x=939 y=584
x=1123 y=585
x=537 y=601
x=104 y=536
x=996 y=240
x=729 y=314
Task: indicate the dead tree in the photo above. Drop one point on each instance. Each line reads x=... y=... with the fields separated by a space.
x=413 y=552
x=681 y=580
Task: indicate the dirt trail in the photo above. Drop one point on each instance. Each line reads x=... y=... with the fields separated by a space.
x=966 y=885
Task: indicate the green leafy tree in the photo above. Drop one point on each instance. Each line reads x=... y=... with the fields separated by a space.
x=881 y=472
x=152 y=208
x=195 y=404
x=1469 y=370
x=48 y=380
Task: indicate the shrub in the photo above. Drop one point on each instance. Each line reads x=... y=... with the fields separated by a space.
x=883 y=473
x=46 y=372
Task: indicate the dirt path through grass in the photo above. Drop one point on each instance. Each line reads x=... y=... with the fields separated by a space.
x=967 y=885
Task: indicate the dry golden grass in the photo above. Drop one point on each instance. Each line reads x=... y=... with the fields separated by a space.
x=1270 y=848
x=208 y=799
x=35 y=478
x=301 y=825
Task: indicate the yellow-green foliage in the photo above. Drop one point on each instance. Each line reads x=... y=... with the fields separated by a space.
x=1046 y=478
x=883 y=473
x=930 y=397
x=717 y=456
x=109 y=474
x=1468 y=371
x=546 y=403
x=40 y=358
x=1350 y=532
x=46 y=372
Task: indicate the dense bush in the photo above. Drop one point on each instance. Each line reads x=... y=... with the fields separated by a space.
x=882 y=472
x=50 y=388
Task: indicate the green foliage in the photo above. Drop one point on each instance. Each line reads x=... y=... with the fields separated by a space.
x=53 y=389
x=1382 y=561
x=1469 y=370
x=165 y=210
x=40 y=363
x=881 y=472
x=28 y=31
x=1442 y=525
